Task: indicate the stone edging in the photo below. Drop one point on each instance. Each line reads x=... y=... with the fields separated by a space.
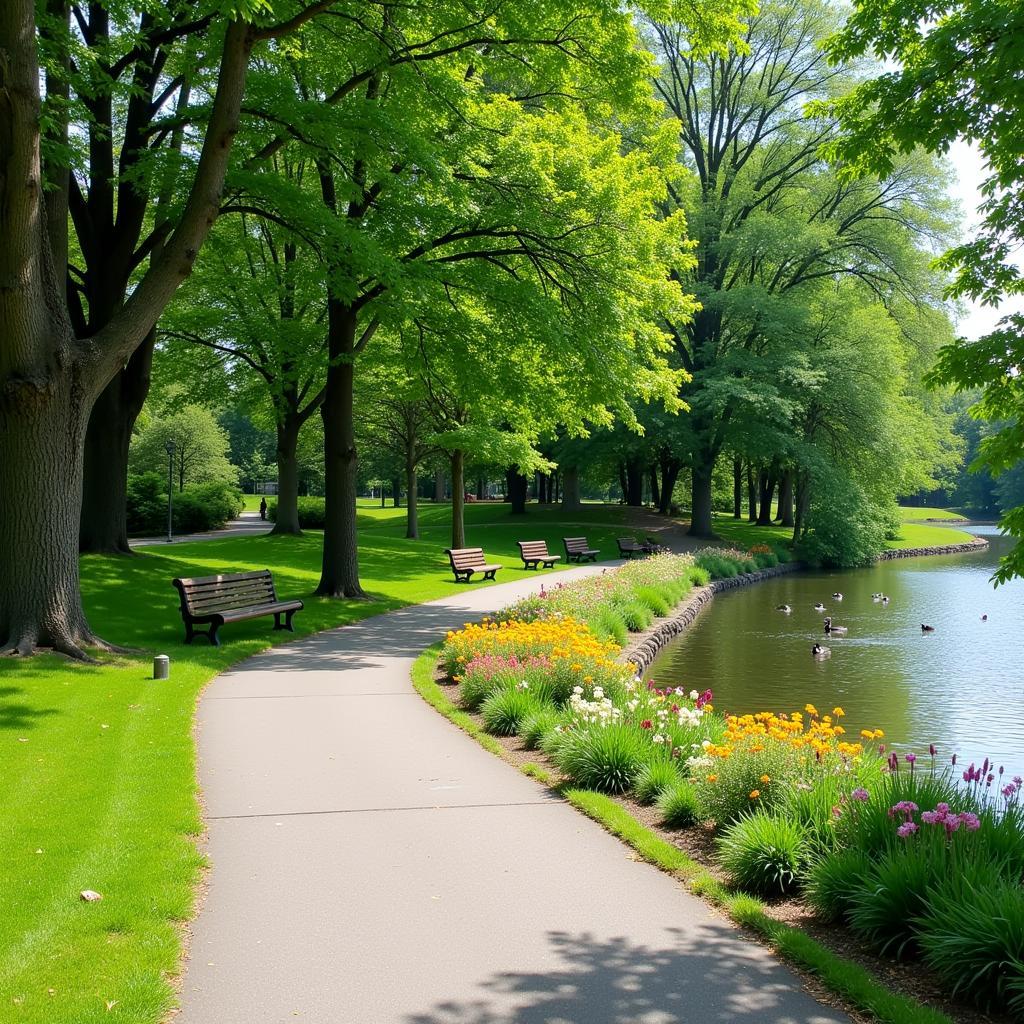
x=941 y=549
x=645 y=647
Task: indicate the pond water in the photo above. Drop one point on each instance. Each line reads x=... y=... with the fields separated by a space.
x=960 y=687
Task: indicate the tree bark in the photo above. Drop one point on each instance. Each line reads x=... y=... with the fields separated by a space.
x=701 y=521
x=517 y=488
x=737 y=488
x=412 y=518
x=458 y=498
x=803 y=504
x=481 y=488
x=767 y=488
x=786 y=517
x=634 y=482
x=339 y=576
x=571 y=489
x=751 y=493
x=669 y=475
x=286 y=519
x=396 y=492
x=439 y=485
x=655 y=489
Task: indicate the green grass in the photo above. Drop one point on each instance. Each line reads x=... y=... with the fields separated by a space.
x=911 y=514
x=97 y=763
x=251 y=502
x=924 y=535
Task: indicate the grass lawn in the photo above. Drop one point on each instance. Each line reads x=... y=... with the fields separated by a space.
x=911 y=514
x=98 y=766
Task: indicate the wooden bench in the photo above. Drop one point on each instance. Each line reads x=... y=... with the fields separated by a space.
x=535 y=554
x=232 y=597
x=466 y=561
x=630 y=546
x=578 y=550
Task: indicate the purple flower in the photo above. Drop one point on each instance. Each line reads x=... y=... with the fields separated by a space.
x=860 y=794
x=931 y=817
x=1018 y=781
x=942 y=808
x=1008 y=791
x=910 y=758
x=931 y=749
x=953 y=761
x=908 y=828
x=970 y=821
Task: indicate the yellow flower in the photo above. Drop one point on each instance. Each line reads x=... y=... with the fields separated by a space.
x=810 y=709
x=754 y=794
x=867 y=734
x=765 y=778
x=838 y=712
x=588 y=679
x=877 y=734
x=712 y=778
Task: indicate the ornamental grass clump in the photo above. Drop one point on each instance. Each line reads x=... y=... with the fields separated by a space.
x=503 y=711
x=535 y=725
x=764 y=854
x=607 y=758
x=654 y=778
x=679 y=806
x=833 y=880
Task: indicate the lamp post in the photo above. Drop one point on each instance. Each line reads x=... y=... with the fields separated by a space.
x=170 y=491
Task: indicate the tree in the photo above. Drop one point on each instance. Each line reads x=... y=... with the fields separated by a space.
x=769 y=217
x=200 y=447
x=955 y=74
x=50 y=377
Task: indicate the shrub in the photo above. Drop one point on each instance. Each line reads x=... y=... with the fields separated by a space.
x=891 y=896
x=656 y=600
x=832 y=881
x=146 y=504
x=653 y=779
x=312 y=512
x=607 y=758
x=504 y=710
x=679 y=805
x=609 y=625
x=764 y=853
x=206 y=507
x=536 y=725
x=636 y=616
x=972 y=936
x=846 y=526
x=735 y=785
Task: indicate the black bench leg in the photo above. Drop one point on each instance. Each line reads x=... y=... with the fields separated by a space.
x=212 y=634
x=287 y=624
x=490 y=574
x=189 y=632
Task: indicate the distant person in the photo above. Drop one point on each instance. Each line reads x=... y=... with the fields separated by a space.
x=263 y=508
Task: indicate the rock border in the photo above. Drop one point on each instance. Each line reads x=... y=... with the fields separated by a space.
x=646 y=646
x=942 y=549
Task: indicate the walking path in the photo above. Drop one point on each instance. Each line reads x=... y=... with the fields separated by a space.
x=373 y=865
x=248 y=524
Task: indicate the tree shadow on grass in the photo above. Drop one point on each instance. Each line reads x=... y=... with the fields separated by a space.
x=18 y=715
x=704 y=974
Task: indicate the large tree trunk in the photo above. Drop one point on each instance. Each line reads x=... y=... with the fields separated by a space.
x=737 y=488
x=701 y=521
x=786 y=517
x=751 y=493
x=767 y=487
x=571 y=489
x=803 y=504
x=412 y=518
x=439 y=485
x=339 y=575
x=286 y=519
x=458 y=499
x=396 y=492
x=517 y=488
x=104 y=525
x=42 y=433
x=634 y=482
x=481 y=488
x=655 y=489
x=669 y=475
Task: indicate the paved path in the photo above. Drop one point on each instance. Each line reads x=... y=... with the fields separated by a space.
x=248 y=524
x=372 y=865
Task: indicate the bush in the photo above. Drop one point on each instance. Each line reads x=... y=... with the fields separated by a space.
x=653 y=779
x=637 y=616
x=206 y=507
x=832 y=881
x=606 y=758
x=735 y=784
x=846 y=526
x=655 y=600
x=536 y=725
x=764 y=854
x=679 y=805
x=197 y=509
x=504 y=710
x=972 y=936
x=312 y=512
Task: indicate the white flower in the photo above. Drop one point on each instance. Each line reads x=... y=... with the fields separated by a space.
x=657 y=738
x=598 y=692
x=705 y=744
x=694 y=695
x=578 y=690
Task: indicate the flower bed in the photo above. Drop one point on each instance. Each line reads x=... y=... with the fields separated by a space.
x=920 y=860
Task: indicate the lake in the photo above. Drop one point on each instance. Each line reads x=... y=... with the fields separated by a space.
x=960 y=687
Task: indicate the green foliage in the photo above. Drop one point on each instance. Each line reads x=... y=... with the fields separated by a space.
x=636 y=616
x=972 y=936
x=535 y=725
x=605 y=758
x=832 y=881
x=656 y=601
x=197 y=509
x=503 y=711
x=764 y=853
x=847 y=528
x=146 y=504
x=679 y=806
x=312 y=512
x=654 y=778
x=200 y=447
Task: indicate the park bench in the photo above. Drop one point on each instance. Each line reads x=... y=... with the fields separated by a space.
x=654 y=546
x=577 y=549
x=535 y=554
x=629 y=546
x=232 y=597
x=466 y=561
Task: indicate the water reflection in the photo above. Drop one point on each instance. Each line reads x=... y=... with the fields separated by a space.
x=961 y=687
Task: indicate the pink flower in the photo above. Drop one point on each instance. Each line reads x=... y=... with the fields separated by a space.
x=860 y=794
x=646 y=724
x=704 y=698
x=970 y=821
x=931 y=749
x=910 y=758
x=908 y=828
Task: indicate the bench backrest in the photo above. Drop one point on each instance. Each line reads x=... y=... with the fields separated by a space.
x=573 y=545
x=466 y=558
x=203 y=595
x=629 y=544
x=534 y=548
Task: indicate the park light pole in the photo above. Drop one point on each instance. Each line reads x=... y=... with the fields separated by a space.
x=170 y=491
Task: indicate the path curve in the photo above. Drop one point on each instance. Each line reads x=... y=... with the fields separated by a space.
x=373 y=865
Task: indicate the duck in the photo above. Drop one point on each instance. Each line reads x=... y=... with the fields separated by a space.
x=885 y=600
x=984 y=618
x=829 y=628
x=784 y=608
x=927 y=629
x=837 y=596
x=876 y=597
x=820 y=652
x=819 y=607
